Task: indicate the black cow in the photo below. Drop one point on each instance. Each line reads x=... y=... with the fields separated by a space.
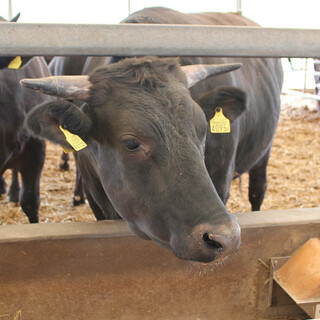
x=14 y=186
x=146 y=139
x=70 y=66
x=20 y=151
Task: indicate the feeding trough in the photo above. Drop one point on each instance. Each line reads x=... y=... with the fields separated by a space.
x=299 y=277
x=101 y=271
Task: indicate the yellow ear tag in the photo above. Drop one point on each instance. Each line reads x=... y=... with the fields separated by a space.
x=219 y=123
x=15 y=63
x=65 y=150
x=75 y=141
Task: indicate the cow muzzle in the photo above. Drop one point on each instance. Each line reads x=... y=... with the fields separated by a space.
x=208 y=242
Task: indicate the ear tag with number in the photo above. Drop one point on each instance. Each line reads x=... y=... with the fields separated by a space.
x=219 y=123
x=75 y=141
x=15 y=63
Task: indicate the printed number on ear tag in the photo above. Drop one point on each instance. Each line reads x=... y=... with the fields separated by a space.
x=75 y=141
x=219 y=123
x=15 y=63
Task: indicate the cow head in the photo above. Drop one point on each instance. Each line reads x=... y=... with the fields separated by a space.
x=146 y=136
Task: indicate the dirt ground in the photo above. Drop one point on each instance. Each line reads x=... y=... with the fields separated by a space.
x=293 y=173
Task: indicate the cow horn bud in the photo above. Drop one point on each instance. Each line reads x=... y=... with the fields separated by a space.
x=198 y=72
x=67 y=87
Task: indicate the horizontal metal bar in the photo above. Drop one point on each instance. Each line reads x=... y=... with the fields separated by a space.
x=167 y=40
x=301 y=94
x=316 y=73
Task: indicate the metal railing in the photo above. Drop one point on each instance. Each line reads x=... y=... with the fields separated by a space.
x=165 y=40
x=168 y=40
x=304 y=70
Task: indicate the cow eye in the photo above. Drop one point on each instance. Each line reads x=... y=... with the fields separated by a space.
x=130 y=144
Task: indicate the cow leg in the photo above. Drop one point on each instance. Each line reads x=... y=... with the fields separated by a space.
x=14 y=187
x=78 y=197
x=3 y=188
x=64 y=162
x=258 y=182
x=31 y=163
x=78 y=194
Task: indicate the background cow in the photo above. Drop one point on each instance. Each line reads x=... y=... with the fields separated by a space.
x=70 y=66
x=20 y=151
x=14 y=186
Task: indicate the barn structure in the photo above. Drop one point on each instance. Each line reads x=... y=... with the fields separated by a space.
x=99 y=270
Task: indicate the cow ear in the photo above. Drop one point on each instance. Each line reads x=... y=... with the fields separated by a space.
x=44 y=121
x=233 y=102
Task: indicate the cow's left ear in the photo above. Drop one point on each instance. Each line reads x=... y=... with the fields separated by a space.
x=45 y=120
x=233 y=102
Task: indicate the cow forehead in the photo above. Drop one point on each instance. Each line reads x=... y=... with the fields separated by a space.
x=143 y=93
x=134 y=74
x=172 y=102
x=156 y=116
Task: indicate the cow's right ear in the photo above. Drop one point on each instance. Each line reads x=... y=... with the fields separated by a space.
x=44 y=121
x=233 y=102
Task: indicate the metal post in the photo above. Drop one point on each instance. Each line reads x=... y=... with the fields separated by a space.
x=9 y=10
x=305 y=75
x=239 y=7
x=129 y=7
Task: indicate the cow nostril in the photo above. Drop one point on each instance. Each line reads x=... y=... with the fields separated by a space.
x=209 y=240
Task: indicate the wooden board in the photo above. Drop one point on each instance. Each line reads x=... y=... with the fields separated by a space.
x=101 y=271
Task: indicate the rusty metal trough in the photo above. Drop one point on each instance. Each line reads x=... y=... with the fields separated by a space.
x=299 y=276
x=101 y=271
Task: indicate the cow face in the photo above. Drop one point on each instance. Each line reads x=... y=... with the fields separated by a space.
x=146 y=136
